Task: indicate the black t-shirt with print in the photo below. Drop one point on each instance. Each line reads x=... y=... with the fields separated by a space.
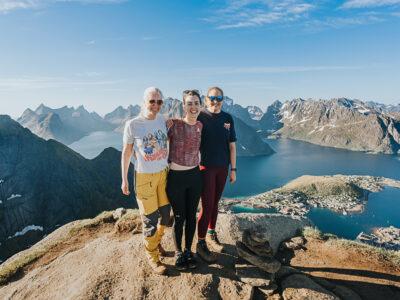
x=218 y=131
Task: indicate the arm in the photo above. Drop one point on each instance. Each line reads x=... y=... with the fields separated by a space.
x=232 y=148
x=125 y=162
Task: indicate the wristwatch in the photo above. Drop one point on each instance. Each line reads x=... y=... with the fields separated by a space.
x=233 y=169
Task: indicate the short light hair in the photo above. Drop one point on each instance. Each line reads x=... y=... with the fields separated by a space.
x=151 y=90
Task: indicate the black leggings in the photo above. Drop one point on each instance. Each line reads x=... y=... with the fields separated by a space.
x=184 y=190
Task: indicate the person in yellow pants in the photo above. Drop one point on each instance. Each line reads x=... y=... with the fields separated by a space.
x=145 y=137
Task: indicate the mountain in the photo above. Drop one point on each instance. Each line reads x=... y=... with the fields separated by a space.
x=172 y=108
x=255 y=112
x=44 y=184
x=238 y=111
x=120 y=115
x=65 y=124
x=341 y=123
x=271 y=120
x=249 y=143
x=49 y=126
x=385 y=108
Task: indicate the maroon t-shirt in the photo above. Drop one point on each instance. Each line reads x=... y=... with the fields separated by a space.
x=184 y=143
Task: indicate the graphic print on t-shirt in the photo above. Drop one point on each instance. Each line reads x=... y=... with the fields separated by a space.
x=155 y=146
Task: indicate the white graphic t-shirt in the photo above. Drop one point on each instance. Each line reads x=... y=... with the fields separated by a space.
x=149 y=139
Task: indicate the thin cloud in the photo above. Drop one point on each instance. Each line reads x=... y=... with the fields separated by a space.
x=341 y=22
x=36 y=83
x=255 y=13
x=10 y=5
x=369 y=3
x=273 y=70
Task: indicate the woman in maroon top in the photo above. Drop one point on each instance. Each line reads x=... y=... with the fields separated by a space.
x=184 y=182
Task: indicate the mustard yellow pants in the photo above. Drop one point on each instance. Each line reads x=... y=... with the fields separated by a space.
x=154 y=208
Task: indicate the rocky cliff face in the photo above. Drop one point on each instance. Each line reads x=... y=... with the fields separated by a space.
x=341 y=123
x=44 y=184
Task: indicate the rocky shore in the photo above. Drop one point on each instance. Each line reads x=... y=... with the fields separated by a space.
x=384 y=237
x=340 y=193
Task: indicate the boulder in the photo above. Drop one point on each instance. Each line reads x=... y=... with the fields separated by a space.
x=274 y=228
x=253 y=275
x=268 y=264
x=257 y=243
x=300 y=287
x=229 y=289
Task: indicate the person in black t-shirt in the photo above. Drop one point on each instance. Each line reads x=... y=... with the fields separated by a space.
x=218 y=151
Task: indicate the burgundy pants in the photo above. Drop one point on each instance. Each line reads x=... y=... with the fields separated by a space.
x=214 y=179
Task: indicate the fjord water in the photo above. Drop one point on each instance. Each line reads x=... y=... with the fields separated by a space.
x=291 y=160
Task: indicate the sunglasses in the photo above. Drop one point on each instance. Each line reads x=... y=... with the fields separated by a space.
x=216 y=98
x=159 y=102
x=194 y=92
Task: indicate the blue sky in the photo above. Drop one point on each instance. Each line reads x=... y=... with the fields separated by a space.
x=104 y=53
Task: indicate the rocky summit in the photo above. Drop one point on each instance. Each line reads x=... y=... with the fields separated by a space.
x=103 y=258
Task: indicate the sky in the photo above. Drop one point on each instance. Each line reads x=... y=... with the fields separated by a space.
x=104 y=53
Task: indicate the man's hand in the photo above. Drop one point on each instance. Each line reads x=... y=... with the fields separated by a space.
x=125 y=188
x=232 y=177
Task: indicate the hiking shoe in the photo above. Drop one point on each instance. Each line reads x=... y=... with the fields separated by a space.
x=190 y=259
x=161 y=250
x=158 y=267
x=204 y=253
x=212 y=240
x=181 y=262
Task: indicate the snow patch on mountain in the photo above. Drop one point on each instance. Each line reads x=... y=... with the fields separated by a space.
x=13 y=196
x=26 y=229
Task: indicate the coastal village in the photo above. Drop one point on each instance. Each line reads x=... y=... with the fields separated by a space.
x=340 y=193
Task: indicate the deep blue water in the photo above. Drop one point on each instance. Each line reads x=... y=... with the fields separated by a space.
x=291 y=160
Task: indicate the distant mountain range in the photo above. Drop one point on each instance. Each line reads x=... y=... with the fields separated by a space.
x=358 y=125
x=65 y=124
x=68 y=124
x=44 y=184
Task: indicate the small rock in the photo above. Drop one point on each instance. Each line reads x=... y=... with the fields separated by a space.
x=299 y=287
x=295 y=243
x=268 y=264
x=252 y=275
x=118 y=213
x=229 y=289
x=259 y=246
x=268 y=290
x=275 y=296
